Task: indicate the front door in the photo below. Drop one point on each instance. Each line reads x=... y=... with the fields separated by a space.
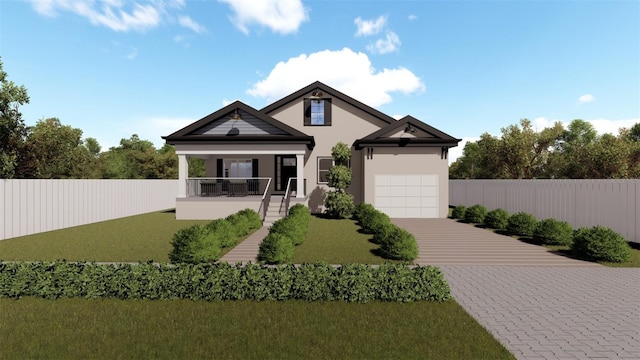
x=285 y=169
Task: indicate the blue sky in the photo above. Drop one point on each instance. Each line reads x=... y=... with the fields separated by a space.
x=118 y=67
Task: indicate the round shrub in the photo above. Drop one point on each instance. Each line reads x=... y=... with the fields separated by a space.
x=496 y=219
x=377 y=221
x=195 y=244
x=224 y=230
x=276 y=248
x=399 y=244
x=362 y=210
x=521 y=223
x=339 y=204
x=553 y=232
x=458 y=212
x=253 y=218
x=382 y=233
x=475 y=214
x=600 y=244
x=240 y=224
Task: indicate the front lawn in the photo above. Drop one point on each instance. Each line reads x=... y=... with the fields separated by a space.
x=181 y=329
x=131 y=239
x=336 y=242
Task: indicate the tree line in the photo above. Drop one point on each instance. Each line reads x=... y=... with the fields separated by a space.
x=51 y=150
x=577 y=152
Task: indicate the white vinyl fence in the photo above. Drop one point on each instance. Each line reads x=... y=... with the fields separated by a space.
x=33 y=206
x=611 y=203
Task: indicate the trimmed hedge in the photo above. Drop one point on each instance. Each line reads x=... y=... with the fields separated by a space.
x=553 y=232
x=522 y=224
x=475 y=214
x=284 y=234
x=217 y=282
x=198 y=244
x=195 y=244
x=600 y=244
x=458 y=212
x=395 y=242
x=496 y=219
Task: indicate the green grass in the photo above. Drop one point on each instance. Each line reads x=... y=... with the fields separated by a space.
x=110 y=329
x=131 y=239
x=336 y=242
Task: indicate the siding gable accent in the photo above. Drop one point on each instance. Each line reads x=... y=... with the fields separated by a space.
x=422 y=135
x=249 y=125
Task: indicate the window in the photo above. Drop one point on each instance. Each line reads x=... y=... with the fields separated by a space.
x=325 y=163
x=238 y=168
x=317 y=112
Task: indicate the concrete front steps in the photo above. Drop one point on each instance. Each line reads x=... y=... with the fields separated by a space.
x=275 y=210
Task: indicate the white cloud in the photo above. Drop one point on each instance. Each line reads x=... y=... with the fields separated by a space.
x=585 y=99
x=187 y=22
x=602 y=126
x=387 y=45
x=281 y=16
x=344 y=70
x=369 y=27
x=412 y=17
x=119 y=15
x=456 y=152
x=397 y=116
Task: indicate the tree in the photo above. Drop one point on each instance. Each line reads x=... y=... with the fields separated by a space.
x=12 y=127
x=339 y=203
x=55 y=150
x=468 y=165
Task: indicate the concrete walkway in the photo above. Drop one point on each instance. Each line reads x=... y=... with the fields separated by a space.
x=246 y=251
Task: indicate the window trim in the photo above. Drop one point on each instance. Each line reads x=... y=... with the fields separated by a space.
x=327 y=112
x=318 y=168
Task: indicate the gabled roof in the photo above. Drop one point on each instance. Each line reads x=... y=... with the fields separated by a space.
x=436 y=138
x=330 y=91
x=196 y=132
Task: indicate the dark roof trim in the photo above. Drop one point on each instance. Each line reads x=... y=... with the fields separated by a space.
x=185 y=132
x=246 y=139
x=439 y=139
x=334 y=93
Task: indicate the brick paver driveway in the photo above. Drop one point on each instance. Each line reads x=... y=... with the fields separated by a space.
x=539 y=305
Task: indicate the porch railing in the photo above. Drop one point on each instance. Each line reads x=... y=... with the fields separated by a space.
x=228 y=187
x=287 y=194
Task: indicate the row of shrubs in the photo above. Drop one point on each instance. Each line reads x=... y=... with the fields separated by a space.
x=221 y=281
x=286 y=233
x=395 y=242
x=594 y=244
x=204 y=243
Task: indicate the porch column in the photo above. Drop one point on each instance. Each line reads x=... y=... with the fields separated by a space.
x=300 y=190
x=183 y=172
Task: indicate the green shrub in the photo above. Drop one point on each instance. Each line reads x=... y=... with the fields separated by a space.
x=553 y=232
x=339 y=204
x=240 y=224
x=399 y=244
x=361 y=211
x=381 y=235
x=522 y=224
x=221 y=281
x=224 y=230
x=339 y=177
x=276 y=248
x=376 y=222
x=475 y=214
x=600 y=244
x=253 y=218
x=458 y=212
x=496 y=219
x=195 y=244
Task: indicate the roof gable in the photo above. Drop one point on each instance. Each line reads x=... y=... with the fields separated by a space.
x=408 y=131
x=219 y=123
x=307 y=90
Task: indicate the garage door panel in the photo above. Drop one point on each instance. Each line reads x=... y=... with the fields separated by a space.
x=407 y=196
x=413 y=190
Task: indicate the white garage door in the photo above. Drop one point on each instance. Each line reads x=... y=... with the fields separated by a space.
x=407 y=196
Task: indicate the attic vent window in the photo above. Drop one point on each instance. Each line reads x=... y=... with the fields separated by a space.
x=317 y=110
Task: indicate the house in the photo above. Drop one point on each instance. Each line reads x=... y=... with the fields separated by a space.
x=281 y=154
